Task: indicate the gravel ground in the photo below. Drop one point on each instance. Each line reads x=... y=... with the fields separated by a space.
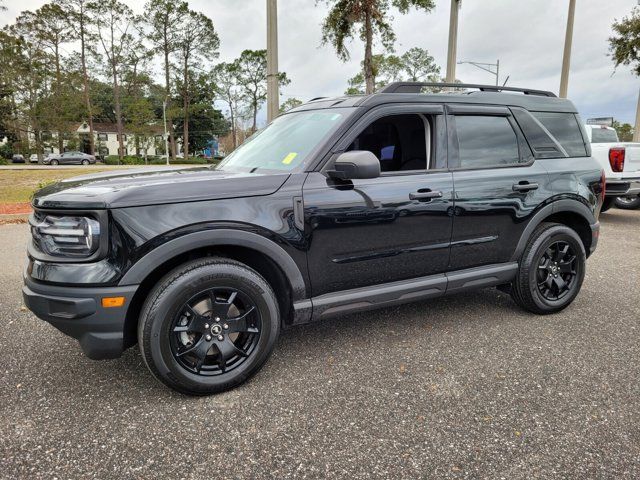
x=460 y=387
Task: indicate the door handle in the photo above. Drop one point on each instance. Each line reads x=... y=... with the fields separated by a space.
x=424 y=194
x=524 y=186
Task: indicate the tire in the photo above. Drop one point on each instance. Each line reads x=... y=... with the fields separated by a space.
x=628 y=203
x=607 y=203
x=536 y=283
x=54 y=162
x=85 y=162
x=191 y=361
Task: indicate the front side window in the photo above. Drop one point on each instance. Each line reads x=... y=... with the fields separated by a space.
x=286 y=143
x=486 y=141
x=401 y=142
x=603 y=135
x=566 y=129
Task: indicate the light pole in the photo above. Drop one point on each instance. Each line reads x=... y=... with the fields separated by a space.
x=487 y=68
x=566 y=56
x=273 y=100
x=453 y=41
x=166 y=136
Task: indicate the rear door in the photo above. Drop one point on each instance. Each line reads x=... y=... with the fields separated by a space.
x=498 y=185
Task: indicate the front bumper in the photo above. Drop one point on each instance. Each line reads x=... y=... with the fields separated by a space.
x=623 y=187
x=78 y=312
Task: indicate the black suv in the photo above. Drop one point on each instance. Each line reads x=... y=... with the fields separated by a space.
x=340 y=205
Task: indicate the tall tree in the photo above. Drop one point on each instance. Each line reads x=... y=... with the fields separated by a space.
x=252 y=76
x=226 y=86
x=51 y=25
x=114 y=30
x=77 y=13
x=369 y=20
x=625 y=50
x=197 y=40
x=290 y=103
x=164 y=19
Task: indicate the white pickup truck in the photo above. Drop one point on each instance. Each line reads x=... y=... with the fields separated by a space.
x=621 y=163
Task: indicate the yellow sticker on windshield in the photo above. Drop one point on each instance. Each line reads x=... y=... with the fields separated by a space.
x=289 y=158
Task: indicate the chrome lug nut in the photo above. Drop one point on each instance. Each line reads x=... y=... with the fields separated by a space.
x=208 y=337
x=217 y=319
x=206 y=325
x=225 y=326
x=220 y=337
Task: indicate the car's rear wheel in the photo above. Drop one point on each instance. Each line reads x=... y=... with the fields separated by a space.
x=208 y=326
x=551 y=270
x=54 y=162
x=628 y=203
x=85 y=162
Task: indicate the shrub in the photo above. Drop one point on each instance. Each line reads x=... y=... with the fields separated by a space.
x=132 y=160
x=6 y=151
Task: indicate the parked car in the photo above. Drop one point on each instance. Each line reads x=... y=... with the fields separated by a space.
x=17 y=158
x=621 y=161
x=33 y=158
x=69 y=158
x=340 y=205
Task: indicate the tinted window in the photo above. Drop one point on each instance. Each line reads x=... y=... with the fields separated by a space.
x=399 y=142
x=486 y=141
x=603 y=135
x=565 y=128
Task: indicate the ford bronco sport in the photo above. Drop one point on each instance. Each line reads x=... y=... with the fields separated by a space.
x=340 y=205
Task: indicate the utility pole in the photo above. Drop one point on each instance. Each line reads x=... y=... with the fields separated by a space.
x=636 y=130
x=453 y=41
x=487 y=67
x=566 y=57
x=166 y=136
x=273 y=100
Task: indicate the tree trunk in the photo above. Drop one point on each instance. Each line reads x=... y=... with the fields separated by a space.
x=57 y=94
x=185 y=97
x=85 y=81
x=368 y=53
x=167 y=90
x=233 y=125
x=116 y=101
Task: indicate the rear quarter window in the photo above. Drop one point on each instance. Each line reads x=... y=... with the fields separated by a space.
x=566 y=130
x=603 y=135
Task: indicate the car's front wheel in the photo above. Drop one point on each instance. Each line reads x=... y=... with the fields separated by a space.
x=551 y=270
x=628 y=203
x=208 y=326
x=54 y=162
x=85 y=162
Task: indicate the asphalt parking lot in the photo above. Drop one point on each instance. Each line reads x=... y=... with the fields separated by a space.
x=460 y=387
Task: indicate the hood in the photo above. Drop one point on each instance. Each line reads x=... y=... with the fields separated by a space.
x=117 y=189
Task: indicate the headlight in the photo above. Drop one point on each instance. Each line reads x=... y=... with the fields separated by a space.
x=62 y=236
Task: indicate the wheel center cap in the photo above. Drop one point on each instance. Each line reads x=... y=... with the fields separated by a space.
x=216 y=329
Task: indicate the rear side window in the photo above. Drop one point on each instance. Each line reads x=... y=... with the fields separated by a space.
x=603 y=135
x=566 y=130
x=485 y=141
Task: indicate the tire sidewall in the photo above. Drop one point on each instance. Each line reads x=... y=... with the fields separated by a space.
x=633 y=205
x=555 y=234
x=170 y=298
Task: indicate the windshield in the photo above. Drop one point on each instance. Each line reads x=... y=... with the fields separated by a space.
x=287 y=143
x=603 y=135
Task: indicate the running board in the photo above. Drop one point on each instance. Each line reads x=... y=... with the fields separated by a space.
x=405 y=291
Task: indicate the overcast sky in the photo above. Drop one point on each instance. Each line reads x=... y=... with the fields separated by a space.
x=527 y=37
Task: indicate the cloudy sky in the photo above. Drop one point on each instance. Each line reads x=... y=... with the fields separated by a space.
x=527 y=37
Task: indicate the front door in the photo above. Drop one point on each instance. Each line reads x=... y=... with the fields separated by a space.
x=498 y=185
x=390 y=228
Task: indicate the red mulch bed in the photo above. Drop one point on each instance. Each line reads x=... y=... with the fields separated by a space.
x=15 y=208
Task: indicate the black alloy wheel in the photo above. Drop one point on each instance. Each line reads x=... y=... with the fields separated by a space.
x=551 y=269
x=208 y=326
x=557 y=271
x=215 y=331
x=628 y=203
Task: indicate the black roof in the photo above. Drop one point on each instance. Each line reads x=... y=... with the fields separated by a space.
x=533 y=100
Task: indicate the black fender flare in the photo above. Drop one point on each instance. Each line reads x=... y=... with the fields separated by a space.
x=558 y=206
x=209 y=238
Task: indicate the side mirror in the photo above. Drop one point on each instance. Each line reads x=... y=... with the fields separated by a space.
x=357 y=164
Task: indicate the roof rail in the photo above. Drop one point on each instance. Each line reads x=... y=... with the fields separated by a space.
x=416 y=87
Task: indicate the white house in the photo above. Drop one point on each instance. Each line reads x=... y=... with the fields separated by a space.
x=106 y=140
